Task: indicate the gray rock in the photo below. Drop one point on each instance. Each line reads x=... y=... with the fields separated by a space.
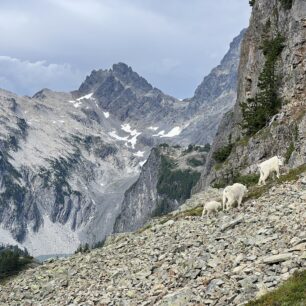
x=277 y=258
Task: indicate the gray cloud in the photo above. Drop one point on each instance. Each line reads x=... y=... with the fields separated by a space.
x=26 y=77
x=172 y=43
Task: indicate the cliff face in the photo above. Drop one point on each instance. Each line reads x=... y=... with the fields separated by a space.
x=165 y=182
x=285 y=133
x=215 y=96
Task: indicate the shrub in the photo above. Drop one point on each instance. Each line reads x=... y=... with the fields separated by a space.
x=293 y=174
x=252 y=2
x=292 y=292
x=223 y=153
x=12 y=260
x=176 y=184
x=248 y=180
x=194 y=162
x=220 y=184
x=207 y=147
x=82 y=248
x=257 y=111
x=189 y=149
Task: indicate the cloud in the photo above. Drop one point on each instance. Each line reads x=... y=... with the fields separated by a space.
x=168 y=42
x=25 y=77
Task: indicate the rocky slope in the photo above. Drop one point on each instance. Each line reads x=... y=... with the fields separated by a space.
x=68 y=158
x=165 y=182
x=285 y=133
x=181 y=260
x=60 y=171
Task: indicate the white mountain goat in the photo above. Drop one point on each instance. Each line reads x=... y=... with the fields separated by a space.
x=269 y=166
x=233 y=193
x=212 y=206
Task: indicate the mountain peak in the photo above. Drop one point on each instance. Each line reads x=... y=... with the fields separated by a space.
x=121 y=68
x=120 y=71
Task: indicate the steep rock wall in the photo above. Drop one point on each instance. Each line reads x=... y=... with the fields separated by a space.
x=287 y=131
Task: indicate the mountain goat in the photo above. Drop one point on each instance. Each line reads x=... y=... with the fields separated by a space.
x=212 y=206
x=233 y=193
x=269 y=166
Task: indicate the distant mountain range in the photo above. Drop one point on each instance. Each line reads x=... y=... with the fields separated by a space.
x=68 y=158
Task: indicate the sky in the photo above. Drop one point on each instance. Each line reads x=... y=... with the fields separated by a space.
x=172 y=43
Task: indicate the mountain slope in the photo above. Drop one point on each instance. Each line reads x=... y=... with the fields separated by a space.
x=216 y=95
x=68 y=158
x=181 y=260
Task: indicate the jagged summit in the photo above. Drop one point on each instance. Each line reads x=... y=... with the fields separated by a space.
x=223 y=77
x=70 y=157
x=121 y=73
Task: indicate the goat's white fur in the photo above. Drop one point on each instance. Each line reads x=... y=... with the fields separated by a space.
x=233 y=193
x=212 y=206
x=269 y=166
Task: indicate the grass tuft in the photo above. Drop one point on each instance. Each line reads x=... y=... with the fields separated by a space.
x=291 y=293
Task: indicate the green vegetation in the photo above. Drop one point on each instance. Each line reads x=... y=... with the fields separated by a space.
x=144 y=228
x=296 y=132
x=85 y=248
x=256 y=191
x=194 y=162
x=223 y=153
x=289 y=152
x=248 y=180
x=293 y=174
x=12 y=260
x=258 y=111
x=82 y=248
x=193 y=212
x=207 y=147
x=164 y=145
x=176 y=184
x=222 y=183
x=291 y=293
x=252 y=2
x=287 y=4
x=192 y=148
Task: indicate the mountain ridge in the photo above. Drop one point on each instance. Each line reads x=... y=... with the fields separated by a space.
x=71 y=156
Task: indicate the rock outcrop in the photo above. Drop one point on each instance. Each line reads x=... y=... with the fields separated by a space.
x=215 y=96
x=285 y=133
x=180 y=259
x=165 y=182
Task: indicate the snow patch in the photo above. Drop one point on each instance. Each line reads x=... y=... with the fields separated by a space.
x=153 y=128
x=88 y=97
x=116 y=136
x=75 y=103
x=174 y=132
x=127 y=128
x=142 y=163
x=128 y=141
x=139 y=154
x=106 y=114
